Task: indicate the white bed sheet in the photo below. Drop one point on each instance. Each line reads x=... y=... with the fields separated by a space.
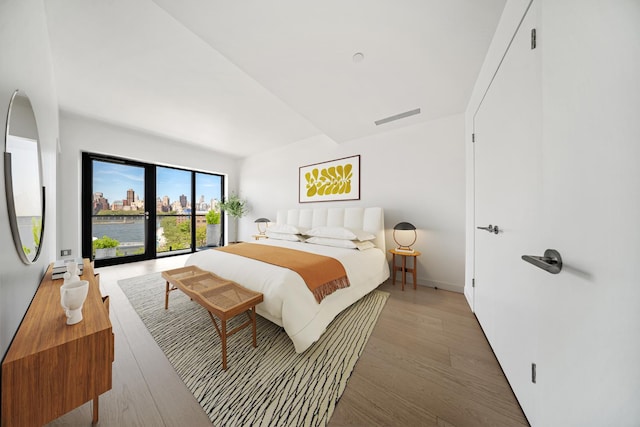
x=287 y=300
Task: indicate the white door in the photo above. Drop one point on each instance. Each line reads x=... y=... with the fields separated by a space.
x=589 y=314
x=508 y=128
x=557 y=166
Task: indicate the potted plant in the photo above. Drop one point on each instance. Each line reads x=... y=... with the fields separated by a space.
x=213 y=228
x=105 y=247
x=235 y=207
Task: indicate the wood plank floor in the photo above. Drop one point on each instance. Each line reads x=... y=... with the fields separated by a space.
x=427 y=363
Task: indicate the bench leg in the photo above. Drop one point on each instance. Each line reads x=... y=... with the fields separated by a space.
x=223 y=337
x=253 y=321
x=166 y=296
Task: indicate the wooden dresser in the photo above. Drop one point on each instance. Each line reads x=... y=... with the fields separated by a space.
x=51 y=367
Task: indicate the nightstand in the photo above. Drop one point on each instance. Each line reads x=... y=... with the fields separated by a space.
x=403 y=267
x=260 y=236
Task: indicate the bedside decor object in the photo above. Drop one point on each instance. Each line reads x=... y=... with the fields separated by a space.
x=404 y=234
x=23 y=178
x=330 y=181
x=72 y=297
x=262 y=225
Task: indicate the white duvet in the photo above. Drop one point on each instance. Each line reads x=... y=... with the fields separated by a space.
x=287 y=300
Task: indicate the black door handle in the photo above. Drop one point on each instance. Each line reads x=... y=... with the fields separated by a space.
x=551 y=261
x=490 y=229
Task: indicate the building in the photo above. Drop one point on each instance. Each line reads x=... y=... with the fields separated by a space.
x=130 y=197
x=99 y=203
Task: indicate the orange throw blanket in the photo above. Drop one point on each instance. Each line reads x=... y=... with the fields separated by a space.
x=322 y=274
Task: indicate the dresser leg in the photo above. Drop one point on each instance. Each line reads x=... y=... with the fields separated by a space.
x=95 y=410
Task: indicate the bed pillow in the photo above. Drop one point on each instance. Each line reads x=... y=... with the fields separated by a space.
x=284 y=236
x=341 y=243
x=286 y=229
x=340 y=233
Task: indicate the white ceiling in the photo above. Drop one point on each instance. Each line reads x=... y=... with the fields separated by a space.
x=243 y=76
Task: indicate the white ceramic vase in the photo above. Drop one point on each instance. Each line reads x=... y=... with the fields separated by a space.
x=72 y=297
x=72 y=272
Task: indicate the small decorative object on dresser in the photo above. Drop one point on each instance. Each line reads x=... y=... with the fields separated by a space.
x=72 y=296
x=73 y=272
x=60 y=267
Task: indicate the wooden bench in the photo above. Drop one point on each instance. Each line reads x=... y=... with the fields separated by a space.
x=220 y=297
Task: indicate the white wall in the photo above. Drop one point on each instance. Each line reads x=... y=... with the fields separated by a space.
x=415 y=173
x=26 y=65
x=78 y=134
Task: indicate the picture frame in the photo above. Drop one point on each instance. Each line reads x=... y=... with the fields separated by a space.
x=330 y=181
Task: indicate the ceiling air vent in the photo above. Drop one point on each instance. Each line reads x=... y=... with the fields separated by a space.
x=397 y=117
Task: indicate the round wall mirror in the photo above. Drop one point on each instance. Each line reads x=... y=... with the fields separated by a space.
x=23 y=178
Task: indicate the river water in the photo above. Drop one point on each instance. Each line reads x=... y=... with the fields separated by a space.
x=123 y=232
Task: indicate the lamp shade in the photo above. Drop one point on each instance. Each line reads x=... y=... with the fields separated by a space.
x=404 y=226
x=262 y=225
x=405 y=235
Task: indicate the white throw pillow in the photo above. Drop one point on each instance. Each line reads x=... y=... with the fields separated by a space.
x=340 y=233
x=340 y=243
x=363 y=246
x=285 y=236
x=285 y=228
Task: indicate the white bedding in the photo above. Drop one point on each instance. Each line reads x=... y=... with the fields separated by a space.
x=287 y=300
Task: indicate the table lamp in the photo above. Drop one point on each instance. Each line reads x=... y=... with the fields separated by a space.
x=405 y=235
x=262 y=225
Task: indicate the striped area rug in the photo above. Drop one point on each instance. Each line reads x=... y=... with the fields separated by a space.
x=270 y=385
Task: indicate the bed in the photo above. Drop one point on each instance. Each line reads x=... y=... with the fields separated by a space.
x=287 y=300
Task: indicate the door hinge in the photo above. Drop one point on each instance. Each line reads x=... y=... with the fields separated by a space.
x=473 y=283
x=473 y=137
x=533 y=373
x=533 y=38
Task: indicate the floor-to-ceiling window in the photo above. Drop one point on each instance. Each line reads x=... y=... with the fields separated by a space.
x=134 y=211
x=173 y=206
x=208 y=190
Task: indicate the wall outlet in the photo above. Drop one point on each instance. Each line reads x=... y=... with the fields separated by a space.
x=65 y=252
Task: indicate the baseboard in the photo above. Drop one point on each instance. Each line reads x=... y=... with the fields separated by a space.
x=439 y=285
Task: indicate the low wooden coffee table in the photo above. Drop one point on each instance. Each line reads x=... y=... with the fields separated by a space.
x=220 y=297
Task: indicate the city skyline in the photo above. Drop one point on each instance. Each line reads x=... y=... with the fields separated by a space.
x=113 y=180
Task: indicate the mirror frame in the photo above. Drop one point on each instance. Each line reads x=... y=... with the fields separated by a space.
x=8 y=180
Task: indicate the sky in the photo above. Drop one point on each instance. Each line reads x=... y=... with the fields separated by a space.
x=114 y=179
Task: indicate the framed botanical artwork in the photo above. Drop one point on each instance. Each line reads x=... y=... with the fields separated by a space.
x=330 y=181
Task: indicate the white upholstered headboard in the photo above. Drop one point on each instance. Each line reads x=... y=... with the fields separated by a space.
x=368 y=219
